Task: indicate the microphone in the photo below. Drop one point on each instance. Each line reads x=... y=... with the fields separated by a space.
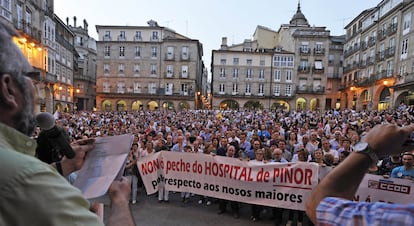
x=53 y=141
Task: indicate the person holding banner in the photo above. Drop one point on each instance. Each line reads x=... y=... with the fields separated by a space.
x=230 y=152
x=330 y=202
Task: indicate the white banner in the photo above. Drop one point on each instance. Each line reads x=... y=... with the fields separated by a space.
x=269 y=184
x=376 y=188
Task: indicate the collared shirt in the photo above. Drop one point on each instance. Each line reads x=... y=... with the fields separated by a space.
x=32 y=192
x=337 y=211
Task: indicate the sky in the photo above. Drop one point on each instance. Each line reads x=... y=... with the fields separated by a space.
x=210 y=20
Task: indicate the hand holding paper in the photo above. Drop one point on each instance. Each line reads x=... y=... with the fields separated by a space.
x=103 y=164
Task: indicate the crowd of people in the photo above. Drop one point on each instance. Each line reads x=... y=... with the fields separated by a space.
x=266 y=136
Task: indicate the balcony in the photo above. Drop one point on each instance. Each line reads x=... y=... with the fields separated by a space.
x=121 y=38
x=137 y=38
x=390 y=52
x=382 y=34
x=310 y=89
x=107 y=38
x=371 y=41
x=364 y=45
x=319 y=51
x=380 y=55
x=28 y=30
x=392 y=29
x=318 y=70
x=304 y=51
x=303 y=69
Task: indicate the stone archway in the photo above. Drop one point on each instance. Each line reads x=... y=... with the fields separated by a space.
x=300 y=104
x=106 y=105
x=137 y=105
x=229 y=105
x=183 y=105
x=152 y=105
x=168 y=105
x=314 y=104
x=280 y=105
x=121 y=106
x=384 y=99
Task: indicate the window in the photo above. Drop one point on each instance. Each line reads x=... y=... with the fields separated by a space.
x=184 y=53
x=28 y=18
x=221 y=88
x=235 y=61
x=249 y=61
x=137 y=51
x=138 y=36
x=107 y=34
x=262 y=62
x=153 y=51
x=304 y=48
x=169 y=89
x=170 y=71
x=184 y=89
x=288 y=76
x=19 y=15
x=137 y=69
x=319 y=47
x=137 y=87
x=121 y=68
x=152 y=88
x=248 y=89
x=122 y=35
x=318 y=65
x=170 y=52
x=261 y=74
x=260 y=92
x=222 y=73
x=153 y=69
x=248 y=73
x=404 y=49
x=390 y=68
x=278 y=75
x=122 y=51
x=106 y=87
x=154 y=36
x=184 y=71
x=235 y=89
x=406 y=23
x=106 y=69
x=316 y=85
x=283 y=61
x=303 y=65
x=223 y=61
x=235 y=73
x=276 y=90
x=121 y=87
x=107 y=51
x=288 y=90
x=5 y=9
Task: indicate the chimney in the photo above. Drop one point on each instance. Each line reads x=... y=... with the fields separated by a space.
x=74 y=21
x=85 y=25
x=67 y=21
x=224 y=43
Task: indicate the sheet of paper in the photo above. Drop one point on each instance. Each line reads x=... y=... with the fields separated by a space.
x=103 y=164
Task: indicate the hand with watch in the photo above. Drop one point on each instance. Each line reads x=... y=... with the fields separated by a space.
x=384 y=140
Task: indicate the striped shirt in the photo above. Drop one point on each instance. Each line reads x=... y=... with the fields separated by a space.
x=342 y=212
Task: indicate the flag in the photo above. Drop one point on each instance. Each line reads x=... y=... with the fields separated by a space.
x=56 y=115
